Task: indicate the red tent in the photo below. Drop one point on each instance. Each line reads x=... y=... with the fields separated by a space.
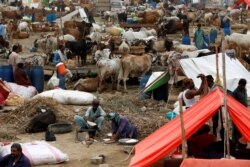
x=168 y=137
x=237 y=3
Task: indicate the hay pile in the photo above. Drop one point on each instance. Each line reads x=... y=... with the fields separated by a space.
x=21 y=116
x=147 y=115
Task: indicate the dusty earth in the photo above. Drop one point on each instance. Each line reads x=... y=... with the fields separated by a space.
x=148 y=115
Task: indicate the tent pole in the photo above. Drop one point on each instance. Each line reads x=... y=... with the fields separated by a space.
x=217 y=78
x=225 y=100
x=183 y=149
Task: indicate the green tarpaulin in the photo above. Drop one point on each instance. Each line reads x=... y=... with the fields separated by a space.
x=156 y=80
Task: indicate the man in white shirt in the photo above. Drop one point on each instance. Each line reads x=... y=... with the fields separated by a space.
x=188 y=95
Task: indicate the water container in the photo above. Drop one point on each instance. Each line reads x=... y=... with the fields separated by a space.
x=6 y=73
x=186 y=40
x=37 y=77
x=51 y=17
x=61 y=69
x=144 y=81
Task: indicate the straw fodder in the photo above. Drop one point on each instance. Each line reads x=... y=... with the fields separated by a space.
x=21 y=116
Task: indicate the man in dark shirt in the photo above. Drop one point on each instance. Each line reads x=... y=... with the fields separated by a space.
x=16 y=158
x=20 y=76
x=121 y=128
x=240 y=94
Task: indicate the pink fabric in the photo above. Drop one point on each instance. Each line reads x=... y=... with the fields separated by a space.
x=190 y=162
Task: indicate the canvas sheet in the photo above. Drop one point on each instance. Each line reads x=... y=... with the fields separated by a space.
x=207 y=65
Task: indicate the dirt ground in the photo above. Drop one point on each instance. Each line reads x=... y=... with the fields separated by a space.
x=79 y=155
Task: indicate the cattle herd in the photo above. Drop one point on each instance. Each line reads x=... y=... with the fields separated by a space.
x=123 y=44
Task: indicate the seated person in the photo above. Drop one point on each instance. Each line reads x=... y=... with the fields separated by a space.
x=20 y=76
x=94 y=114
x=243 y=151
x=216 y=149
x=121 y=128
x=16 y=158
x=198 y=142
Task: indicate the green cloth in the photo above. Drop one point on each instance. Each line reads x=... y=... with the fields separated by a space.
x=199 y=38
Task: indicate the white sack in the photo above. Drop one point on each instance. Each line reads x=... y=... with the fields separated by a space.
x=53 y=82
x=39 y=153
x=72 y=97
x=23 y=91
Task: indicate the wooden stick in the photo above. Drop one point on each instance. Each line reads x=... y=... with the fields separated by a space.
x=225 y=101
x=217 y=78
x=182 y=131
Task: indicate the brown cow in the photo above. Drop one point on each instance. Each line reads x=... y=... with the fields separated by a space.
x=11 y=27
x=74 y=32
x=149 y=17
x=20 y=35
x=69 y=24
x=15 y=15
x=135 y=66
x=87 y=84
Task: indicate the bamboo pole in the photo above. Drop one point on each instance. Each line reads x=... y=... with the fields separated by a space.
x=183 y=149
x=217 y=78
x=227 y=152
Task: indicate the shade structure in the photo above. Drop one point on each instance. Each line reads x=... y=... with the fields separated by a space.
x=168 y=137
x=207 y=65
x=237 y=3
x=156 y=80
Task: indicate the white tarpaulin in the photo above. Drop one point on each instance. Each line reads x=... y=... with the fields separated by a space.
x=207 y=65
x=70 y=16
x=83 y=15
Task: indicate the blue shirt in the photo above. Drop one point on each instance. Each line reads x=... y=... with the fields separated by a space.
x=8 y=160
x=91 y=113
x=56 y=58
x=2 y=32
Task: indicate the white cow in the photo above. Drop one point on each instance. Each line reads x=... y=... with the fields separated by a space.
x=130 y=35
x=24 y=26
x=67 y=37
x=107 y=67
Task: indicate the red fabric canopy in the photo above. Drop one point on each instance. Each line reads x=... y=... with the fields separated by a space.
x=237 y=3
x=168 y=137
x=214 y=163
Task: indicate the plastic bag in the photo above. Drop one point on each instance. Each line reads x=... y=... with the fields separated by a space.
x=53 y=82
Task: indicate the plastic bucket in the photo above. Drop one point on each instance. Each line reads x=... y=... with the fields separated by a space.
x=143 y=81
x=6 y=73
x=61 y=69
x=37 y=77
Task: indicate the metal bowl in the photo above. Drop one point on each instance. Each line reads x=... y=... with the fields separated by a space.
x=128 y=141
